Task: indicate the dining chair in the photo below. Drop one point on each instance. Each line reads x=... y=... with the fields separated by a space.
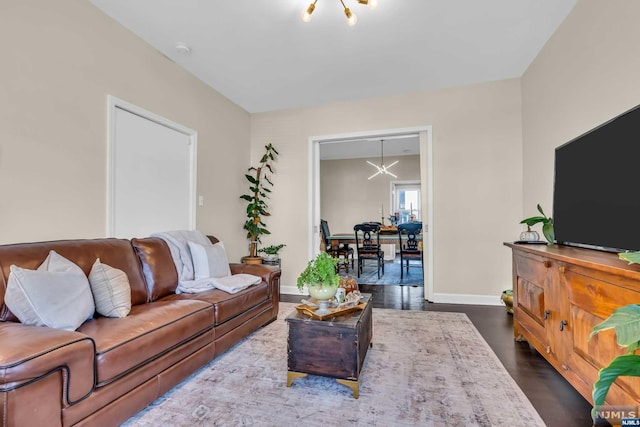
x=410 y=246
x=338 y=251
x=368 y=245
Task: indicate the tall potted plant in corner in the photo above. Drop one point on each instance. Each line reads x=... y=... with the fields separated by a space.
x=259 y=188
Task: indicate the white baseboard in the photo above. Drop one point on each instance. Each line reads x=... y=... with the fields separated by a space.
x=290 y=290
x=467 y=299
x=437 y=298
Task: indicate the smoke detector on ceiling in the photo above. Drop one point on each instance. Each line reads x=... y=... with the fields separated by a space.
x=183 y=48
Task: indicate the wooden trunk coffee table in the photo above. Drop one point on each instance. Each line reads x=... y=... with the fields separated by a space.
x=334 y=347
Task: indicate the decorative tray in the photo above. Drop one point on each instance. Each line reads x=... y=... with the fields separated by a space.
x=310 y=310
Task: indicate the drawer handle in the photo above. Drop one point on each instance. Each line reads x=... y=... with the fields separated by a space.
x=563 y=323
x=562 y=269
x=546 y=314
x=547 y=264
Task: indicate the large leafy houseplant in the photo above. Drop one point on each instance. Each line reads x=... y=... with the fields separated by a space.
x=320 y=271
x=259 y=189
x=626 y=322
x=547 y=224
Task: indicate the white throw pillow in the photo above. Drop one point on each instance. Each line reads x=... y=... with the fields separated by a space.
x=111 y=290
x=56 y=295
x=209 y=261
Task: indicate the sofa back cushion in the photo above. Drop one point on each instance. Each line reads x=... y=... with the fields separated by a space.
x=158 y=267
x=117 y=253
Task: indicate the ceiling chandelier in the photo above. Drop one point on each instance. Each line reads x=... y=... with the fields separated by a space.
x=382 y=169
x=351 y=17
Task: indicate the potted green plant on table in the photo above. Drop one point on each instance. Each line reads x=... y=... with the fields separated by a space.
x=321 y=280
x=271 y=252
x=547 y=226
x=259 y=188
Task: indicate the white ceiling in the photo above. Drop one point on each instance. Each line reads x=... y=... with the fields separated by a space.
x=260 y=54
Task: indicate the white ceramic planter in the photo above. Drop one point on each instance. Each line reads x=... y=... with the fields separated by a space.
x=323 y=294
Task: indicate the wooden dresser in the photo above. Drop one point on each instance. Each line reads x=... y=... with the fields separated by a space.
x=560 y=293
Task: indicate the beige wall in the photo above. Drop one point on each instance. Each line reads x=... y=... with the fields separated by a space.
x=61 y=60
x=477 y=158
x=347 y=197
x=66 y=57
x=588 y=73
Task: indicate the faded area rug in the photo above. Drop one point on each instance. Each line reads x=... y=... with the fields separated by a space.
x=424 y=368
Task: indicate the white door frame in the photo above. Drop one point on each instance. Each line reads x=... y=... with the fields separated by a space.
x=114 y=103
x=426 y=180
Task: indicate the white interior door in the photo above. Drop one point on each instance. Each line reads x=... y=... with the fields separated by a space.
x=152 y=174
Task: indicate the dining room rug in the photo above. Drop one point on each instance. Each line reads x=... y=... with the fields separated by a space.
x=391 y=276
x=424 y=368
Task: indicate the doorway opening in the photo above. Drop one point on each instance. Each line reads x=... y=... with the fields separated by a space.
x=424 y=187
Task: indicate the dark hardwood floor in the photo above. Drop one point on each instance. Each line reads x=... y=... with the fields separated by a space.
x=554 y=398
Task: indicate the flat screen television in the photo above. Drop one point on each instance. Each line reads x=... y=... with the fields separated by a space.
x=596 y=197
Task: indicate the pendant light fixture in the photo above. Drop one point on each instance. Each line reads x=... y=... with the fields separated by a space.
x=382 y=169
x=352 y=19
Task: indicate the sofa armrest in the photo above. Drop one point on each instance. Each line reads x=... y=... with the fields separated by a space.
x=30 y=354
x=270 y=275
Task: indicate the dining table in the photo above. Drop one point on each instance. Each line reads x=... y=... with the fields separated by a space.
x=387 y=236
x=347 y=238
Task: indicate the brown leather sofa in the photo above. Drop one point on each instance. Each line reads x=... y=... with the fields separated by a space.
x=110 y=368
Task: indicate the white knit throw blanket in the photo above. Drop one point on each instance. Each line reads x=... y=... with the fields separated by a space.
x=181 y=255
x=177 y=242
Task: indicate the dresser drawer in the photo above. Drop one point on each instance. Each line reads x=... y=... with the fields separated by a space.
x=532 y=268
x=530 y=299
